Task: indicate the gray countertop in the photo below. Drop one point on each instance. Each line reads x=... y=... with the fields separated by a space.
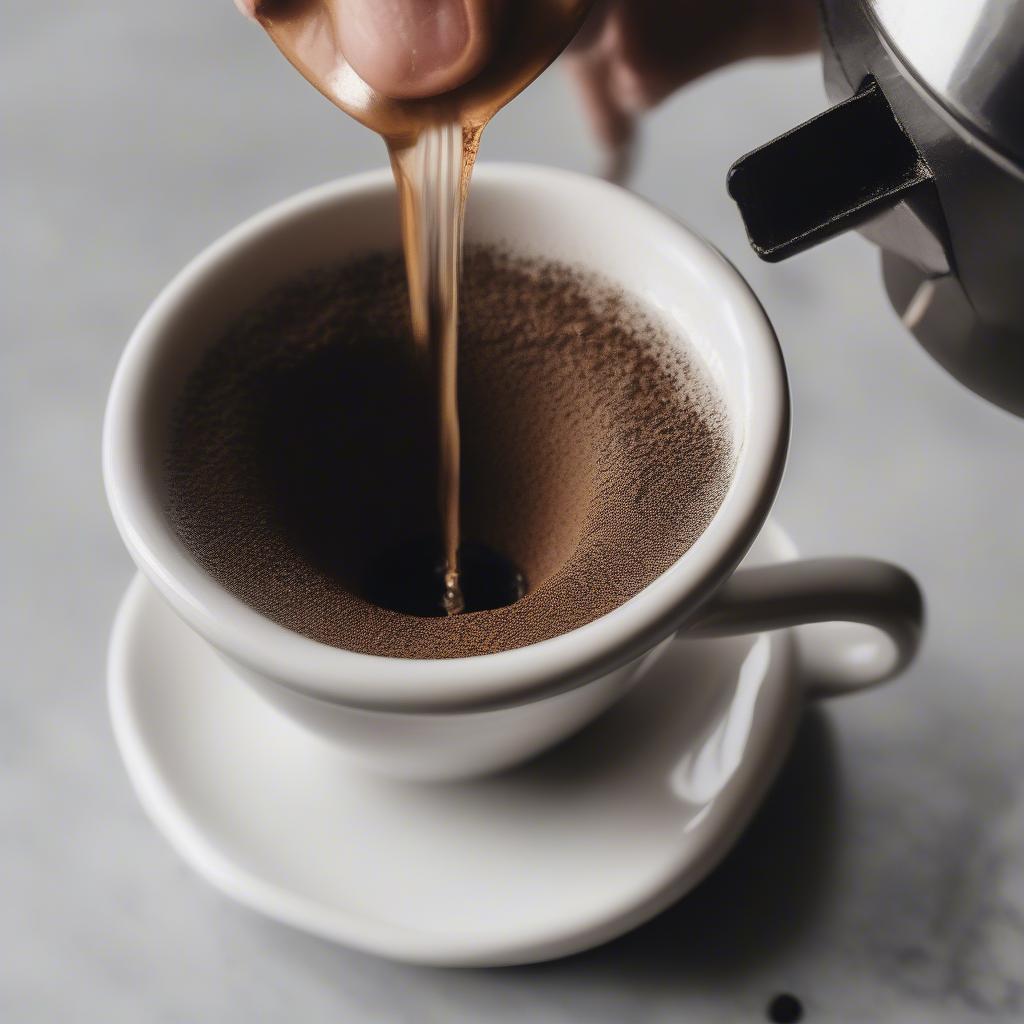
x=884 y=881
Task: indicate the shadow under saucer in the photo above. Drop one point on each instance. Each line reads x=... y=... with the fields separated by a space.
x=763 y=895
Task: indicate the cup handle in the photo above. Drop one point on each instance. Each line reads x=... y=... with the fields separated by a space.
x=860 y=619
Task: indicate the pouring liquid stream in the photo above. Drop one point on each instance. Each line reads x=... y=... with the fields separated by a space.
x=432 y=144
x=433 y=175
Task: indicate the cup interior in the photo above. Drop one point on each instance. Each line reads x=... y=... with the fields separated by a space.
x=598 y=237
x=530 y=212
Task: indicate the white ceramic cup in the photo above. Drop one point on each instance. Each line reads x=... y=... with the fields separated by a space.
x=445 y=718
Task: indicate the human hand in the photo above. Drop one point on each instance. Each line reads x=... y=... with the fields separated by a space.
x=631 y=54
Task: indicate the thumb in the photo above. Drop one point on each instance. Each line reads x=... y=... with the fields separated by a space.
x=416 y=48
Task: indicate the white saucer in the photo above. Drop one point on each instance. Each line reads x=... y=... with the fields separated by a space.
x=565 y=853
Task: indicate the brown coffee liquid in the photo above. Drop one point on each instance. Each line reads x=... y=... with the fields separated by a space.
x=433 y=181
x=408 y=578
x=432 y=144
x=302 y=467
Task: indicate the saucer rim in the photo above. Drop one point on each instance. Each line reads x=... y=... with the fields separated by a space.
x=732 y=812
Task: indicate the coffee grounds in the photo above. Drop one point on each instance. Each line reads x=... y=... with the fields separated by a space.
x=595 y=451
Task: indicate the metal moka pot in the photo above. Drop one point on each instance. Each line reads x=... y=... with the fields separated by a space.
x=923 y=153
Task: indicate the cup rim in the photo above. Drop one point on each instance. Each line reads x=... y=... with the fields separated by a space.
x=515 y=676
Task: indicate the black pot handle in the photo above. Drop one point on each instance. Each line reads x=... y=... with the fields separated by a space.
x=828 y=175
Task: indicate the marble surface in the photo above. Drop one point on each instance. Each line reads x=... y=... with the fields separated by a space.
x=884 y=881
